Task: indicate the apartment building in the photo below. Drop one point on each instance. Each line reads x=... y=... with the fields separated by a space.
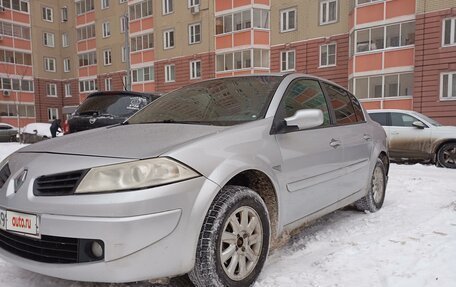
x=390 y=53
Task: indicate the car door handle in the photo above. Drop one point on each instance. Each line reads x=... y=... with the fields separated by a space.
x=367 y=137
x=335 y=143
x=394 y=133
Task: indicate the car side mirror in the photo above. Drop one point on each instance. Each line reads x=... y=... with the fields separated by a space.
x=305 y=119
x=418 y=124
x=35 y=131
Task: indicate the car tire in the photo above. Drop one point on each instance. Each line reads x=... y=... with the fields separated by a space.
x=234 y=240
x=375 y=196
x=446 y=156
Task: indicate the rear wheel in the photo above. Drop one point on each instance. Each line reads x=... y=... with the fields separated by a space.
x=375 y=197
x=234 y=240
x=446 y=155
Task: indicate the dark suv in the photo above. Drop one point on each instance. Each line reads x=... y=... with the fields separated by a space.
x=107 y=108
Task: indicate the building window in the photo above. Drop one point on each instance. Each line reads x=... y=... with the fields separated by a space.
x=328 y=55
x=84 y=6
x=242 y=20
x=449 y=32
x=192 y=3
x=143 y=74
x=123 y=24
x=397 y=35
x=195 y=70
x=140 y=10
x=224 y=24
x=87 y=59
x=15 y=57
x=64 y=14
x=86 y=32
x=170 y=73
x=360 y=2
x=107 y=57
x=167 y=7
x=67 y=90
x=16 y=84
x=328 y=11
x=123 y=55
x=104 y=4
x=234 y=61
x=49 y=64
x=87 y=86
x=384 y=86
x=448 y=86
x=123 y=1
x=51 y=90
x=18 y=5
x=108 y=84
x=168 y=38
x=194 y=33
x=53 y=114
x=47 y=14
x=288 y=20
x=142 y=42
x=261 y=18
x=106 y=29
x=48 y=39
x=260 y=58
x=66 y=65
x=65 y=40
x=13 y=30
x=287 y=61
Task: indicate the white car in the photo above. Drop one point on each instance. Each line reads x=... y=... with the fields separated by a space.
x=414 y=137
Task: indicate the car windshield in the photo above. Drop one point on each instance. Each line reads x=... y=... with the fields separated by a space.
x=431 y=121
x=120 y=105
x=221 y=102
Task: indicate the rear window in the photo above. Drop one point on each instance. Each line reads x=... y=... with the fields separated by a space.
x=112 y=105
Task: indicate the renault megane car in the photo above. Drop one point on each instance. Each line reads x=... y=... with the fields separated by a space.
x=202 y=181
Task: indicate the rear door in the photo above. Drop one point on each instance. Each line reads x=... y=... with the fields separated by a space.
x=407 y=141
x=312 y=159
x=356 y=136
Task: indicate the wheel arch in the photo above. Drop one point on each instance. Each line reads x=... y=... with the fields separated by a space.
x=262 y=184
x=383 y=156
x=438 y=145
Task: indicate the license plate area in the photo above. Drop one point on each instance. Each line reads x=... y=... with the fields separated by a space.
x=18 y=222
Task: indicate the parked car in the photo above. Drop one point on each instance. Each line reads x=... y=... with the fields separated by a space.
x=8 y=133
x=107 y=108
x=414 y=137
x=203 y=181
x=36 y=132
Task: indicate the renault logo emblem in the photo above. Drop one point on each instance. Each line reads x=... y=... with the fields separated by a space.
x=19 y=180
x=92 y=120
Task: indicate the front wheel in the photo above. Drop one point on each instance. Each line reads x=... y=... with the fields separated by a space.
x=234 y=240
x=446 y=155
x=373 y=201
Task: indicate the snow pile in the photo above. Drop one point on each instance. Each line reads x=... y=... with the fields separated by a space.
x=410 y=242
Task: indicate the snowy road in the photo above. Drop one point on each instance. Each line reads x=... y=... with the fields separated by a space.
x=410 y=242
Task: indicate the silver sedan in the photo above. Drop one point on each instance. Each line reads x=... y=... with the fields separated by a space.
x=203 y=181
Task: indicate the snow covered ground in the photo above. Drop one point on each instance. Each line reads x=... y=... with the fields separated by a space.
x=410 y=242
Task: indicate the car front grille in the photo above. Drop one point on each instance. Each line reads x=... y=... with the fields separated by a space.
x=58 y=184
x=5 y=173
x=49 y=249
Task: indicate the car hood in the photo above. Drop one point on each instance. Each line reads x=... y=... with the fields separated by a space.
x=124 y=141
x=447 y=131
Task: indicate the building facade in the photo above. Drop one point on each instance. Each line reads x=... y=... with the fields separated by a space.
x=391 y=54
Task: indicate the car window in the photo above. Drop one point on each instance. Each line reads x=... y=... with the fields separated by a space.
x=116 y=105
x=402 y=120
x=381 y=118
x=358 y=109
x=5 y=127
x=303 y=94
x=223 y=102
x=342 y=105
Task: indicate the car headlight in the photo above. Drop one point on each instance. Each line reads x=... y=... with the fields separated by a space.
x=134 y=175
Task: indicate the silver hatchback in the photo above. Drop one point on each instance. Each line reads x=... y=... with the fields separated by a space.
x=203 y=181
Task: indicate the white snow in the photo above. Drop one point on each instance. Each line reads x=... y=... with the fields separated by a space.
x=411 y=241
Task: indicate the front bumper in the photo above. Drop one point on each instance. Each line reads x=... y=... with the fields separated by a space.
x=147 y=234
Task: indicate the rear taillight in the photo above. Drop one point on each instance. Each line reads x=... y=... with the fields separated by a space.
x=66 y=127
